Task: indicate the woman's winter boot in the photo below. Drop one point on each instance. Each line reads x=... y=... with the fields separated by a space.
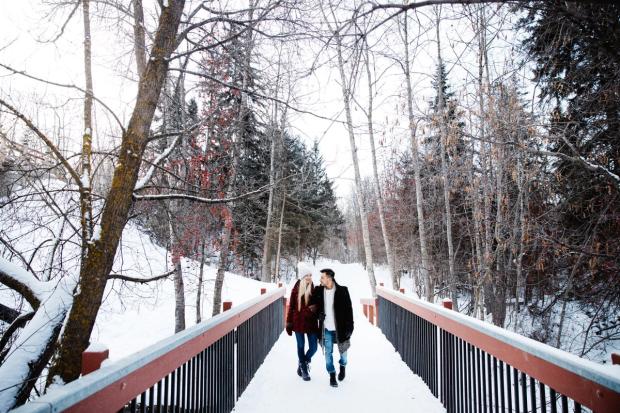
x=304 y=371
x=332 y=380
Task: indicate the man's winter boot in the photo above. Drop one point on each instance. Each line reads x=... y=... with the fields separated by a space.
x=304 y=371
x=299 y=369
x=332 y=380
x=341 y=374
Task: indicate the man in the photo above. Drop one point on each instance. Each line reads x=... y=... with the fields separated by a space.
x=332 y=303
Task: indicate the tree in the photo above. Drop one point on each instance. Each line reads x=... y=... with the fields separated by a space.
x=574 y=47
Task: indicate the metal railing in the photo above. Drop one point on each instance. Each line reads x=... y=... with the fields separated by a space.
x=192 y=371
x=475 y=367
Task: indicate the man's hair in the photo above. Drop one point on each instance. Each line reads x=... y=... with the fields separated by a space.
x=329 y=272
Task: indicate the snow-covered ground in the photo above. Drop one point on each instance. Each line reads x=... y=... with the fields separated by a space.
x=377 y=379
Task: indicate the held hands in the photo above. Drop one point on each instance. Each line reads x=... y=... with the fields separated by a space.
x=289 y=329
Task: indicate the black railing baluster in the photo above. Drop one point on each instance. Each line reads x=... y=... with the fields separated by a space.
x=515 y=382
x=151 y=399
x=462 y=375
x=553 y=399
x=478 y=381
x=543 y=400
x=495 y=387
x=489 y=382
x=533 y=393
x=564 y=404
x=133 y=407
x=524 y=392
x=502 y=391
x=143 y=402
x=485 y=388
x=508 y=388
x=166 y=393
x=159 y=396
x=470 y=389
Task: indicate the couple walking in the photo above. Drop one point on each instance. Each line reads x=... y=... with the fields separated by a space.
x=320 y=314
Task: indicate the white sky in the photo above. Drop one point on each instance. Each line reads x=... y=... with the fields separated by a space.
x=24 y=24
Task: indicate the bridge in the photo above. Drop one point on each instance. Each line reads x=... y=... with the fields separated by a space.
x=406 y=355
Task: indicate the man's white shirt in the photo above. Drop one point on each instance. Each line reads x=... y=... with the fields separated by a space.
x=330 y=319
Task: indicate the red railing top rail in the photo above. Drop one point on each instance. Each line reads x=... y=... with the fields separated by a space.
x=109 y=388
x=584 y=381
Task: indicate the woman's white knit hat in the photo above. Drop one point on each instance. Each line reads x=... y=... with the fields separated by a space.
x=303 y=268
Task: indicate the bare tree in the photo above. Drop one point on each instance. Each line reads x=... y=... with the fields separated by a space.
x=345 y=84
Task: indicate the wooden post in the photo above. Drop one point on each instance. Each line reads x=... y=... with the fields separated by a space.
x=615 y=358
x=447 y=303
x=371 y=314
x=263 y=291
x=227 y=305
x=402 y=290
x=380 y=284
x=365 y=309
x=280 y=284
x=92 y=359
x=376 y=311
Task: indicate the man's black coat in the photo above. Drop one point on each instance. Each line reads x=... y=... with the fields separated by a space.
x=343 y=311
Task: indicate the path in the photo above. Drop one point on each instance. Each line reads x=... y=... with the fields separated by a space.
x=377 y=379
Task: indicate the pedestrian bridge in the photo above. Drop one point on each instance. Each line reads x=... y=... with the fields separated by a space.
x=405 y=355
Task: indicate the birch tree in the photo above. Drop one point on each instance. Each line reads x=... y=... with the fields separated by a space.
x=425 y=269
x=345 y=84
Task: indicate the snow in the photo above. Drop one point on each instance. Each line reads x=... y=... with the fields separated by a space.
x=96 y=347
x=96 y=233
x=149 y=174
x=22 y=276
x=32 y=339
x=84 y=180
x=377 y=379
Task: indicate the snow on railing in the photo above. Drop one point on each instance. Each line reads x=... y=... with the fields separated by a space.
x=198 y=368
x=472 y=365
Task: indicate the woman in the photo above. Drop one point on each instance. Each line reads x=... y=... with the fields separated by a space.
x=301 y=320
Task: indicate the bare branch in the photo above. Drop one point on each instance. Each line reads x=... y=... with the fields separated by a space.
x=22 y=282
x=149 y=174
x=19 y=72
x=140 y=280
x=45 y=139
x=210 y=201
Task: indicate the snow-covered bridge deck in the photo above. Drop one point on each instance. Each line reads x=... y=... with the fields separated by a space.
x=377 y=380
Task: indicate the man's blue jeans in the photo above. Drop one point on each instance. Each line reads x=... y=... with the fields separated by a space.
x=330 y=340
x=312 y=346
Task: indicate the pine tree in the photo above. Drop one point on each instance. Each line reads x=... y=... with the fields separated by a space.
x=576 y=52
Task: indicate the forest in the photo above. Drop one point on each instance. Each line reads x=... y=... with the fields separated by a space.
x=470 y=148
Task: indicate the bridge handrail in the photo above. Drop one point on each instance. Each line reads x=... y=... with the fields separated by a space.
x=569 y=374
x=125 y=379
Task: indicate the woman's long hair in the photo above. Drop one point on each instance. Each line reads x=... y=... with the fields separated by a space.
x=304 y=290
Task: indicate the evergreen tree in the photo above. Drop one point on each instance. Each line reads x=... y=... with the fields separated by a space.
x=576 y=52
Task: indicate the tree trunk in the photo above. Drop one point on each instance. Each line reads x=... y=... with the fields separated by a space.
x=86 y=201
x=139 y=42
x=280 y=236
x=228 y=224
x=98 y=263
x=266 y=262
x=179 y=285
x=380 y=205
x=200 y=282
x=221 y=266
x=443 y=137
x=358 y=180
x=426 y=265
